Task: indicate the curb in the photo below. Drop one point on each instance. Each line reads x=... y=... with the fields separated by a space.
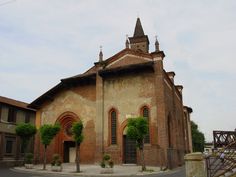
x=33 y=171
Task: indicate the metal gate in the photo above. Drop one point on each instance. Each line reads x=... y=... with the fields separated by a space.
x=226 y=142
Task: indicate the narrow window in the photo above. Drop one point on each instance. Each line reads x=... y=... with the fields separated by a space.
x=9 y=144
x=10 y=141
x=169 y=131
x=11 y=114
x=22 y=148
x=27 y=117
x=145 y=114
x=113 y=127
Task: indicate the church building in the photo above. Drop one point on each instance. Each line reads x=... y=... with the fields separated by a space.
x=130 y=83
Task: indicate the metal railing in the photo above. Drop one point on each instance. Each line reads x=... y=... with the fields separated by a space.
x=216 y=166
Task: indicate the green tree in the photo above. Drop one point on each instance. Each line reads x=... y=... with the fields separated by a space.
x=77 y=129
x=25 y=131
x=198 y=138
x=47 y=133
x=137 y=130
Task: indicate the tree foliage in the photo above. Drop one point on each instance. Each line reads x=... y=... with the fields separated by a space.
x=198 y=138
x=25 y=131
x=137 y=130
x=77 y=131
x=47 y=133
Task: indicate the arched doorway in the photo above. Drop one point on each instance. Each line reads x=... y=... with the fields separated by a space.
x=65 y=144
x=129 y=149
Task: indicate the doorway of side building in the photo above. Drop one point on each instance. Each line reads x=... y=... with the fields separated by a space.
x=129 y=149
x=69 y=152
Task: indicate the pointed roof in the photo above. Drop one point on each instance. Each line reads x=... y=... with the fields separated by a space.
x=138 y=31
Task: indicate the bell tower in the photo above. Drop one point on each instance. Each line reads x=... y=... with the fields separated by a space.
x=139 y=41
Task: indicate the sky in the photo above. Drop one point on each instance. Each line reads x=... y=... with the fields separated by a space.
x=43 y=41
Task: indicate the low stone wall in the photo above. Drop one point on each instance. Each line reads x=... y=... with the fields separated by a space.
x=11 y=163
x=195 y=165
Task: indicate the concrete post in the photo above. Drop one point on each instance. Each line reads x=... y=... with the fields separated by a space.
x=195 y=165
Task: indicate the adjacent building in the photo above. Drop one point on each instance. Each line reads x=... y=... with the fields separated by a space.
x=12 y=112
x=131 y=83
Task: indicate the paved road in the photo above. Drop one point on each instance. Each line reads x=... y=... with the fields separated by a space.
x=4 y=172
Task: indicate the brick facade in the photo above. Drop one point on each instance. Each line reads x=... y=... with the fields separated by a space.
x=125 y=83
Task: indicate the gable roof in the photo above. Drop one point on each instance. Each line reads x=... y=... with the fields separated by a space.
x=65 y=83
x=117 y=56
x=15 y=103
x=128 y=51
x=128 y=68
x=90 y=75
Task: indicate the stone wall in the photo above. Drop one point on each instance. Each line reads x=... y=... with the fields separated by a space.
x=195 y=165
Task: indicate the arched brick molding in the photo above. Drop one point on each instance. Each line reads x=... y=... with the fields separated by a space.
x=65 y=120
x=145 y=112
x=113 y=126
x=123 y=140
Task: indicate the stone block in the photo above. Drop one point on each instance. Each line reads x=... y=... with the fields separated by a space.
x=195 y=165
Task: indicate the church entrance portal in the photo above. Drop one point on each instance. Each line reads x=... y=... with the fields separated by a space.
x=69 y=151
x=129 y=149
x=130 y=154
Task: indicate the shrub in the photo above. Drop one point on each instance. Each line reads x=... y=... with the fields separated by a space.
x=29 y=158
x=56 y=160
x=102 y=164
x=106 y=157
x=106 y=161
x=111 y=164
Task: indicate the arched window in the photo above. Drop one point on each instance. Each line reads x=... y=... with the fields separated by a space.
x=113 y=126
x=145 y=114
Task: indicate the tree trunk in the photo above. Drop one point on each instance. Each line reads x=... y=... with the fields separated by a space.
x=77 y=158
x=142 y=158
x=44 y=157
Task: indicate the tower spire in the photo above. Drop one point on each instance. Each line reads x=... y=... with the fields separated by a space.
x=157 y=46
x=100 y=54
x=138 y=31
x=139 y=41
x=127 y=42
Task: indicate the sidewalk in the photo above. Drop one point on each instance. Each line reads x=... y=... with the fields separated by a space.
x=93 y=170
